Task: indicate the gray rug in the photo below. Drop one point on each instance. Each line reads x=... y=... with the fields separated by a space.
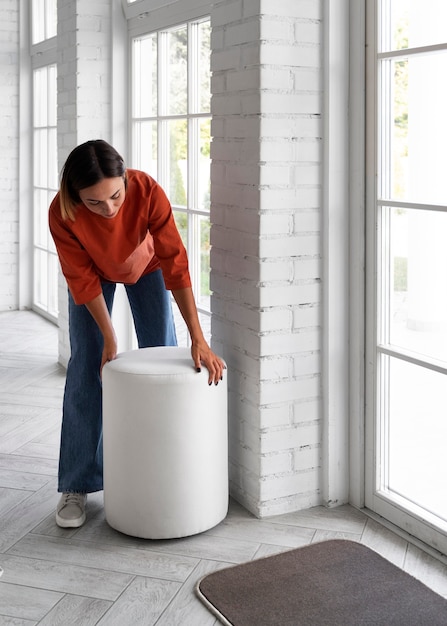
x=333 y=583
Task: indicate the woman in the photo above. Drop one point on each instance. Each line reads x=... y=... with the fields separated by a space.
x=112 y=225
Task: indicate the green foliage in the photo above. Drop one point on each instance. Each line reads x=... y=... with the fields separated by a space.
x=400 y=273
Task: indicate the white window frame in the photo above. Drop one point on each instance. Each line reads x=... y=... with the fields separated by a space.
x=423 y=528
x=41 y=55
x=145 y=24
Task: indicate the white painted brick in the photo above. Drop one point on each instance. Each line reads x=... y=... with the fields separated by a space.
x=217 y=38
x=281 y=486
x=307 y=364
x=307 y=269
x=226 y=12
x=293 y=295
x=289 y=198
x=291 y=438
x=242 y=33
x=309 y=410
x=277 y=463
x=307 y=221
x=276 y=222
x=292 y=125
x=296 y=245
x=298 y=389
x=275 y=270
x=275 y=368
x=308 y=315
x=243 y=80
x=276 y=79
x=306 y=457
x=273 y=28
x=289 y=344
x=272 y=174
x=243 y=174
x=225 y=59
x=226 y=104
x=288 y=55
x=274 y=319
x=275 y=415
x=292 y=104
x=242 y=127
x=310 y=9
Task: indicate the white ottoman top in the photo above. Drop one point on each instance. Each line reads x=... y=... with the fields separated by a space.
x=161 y=361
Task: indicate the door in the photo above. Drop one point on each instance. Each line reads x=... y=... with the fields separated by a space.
x=406 y=459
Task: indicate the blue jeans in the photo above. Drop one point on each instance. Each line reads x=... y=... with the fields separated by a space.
x=80 y=458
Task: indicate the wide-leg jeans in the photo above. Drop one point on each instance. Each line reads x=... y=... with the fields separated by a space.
x=80 y=459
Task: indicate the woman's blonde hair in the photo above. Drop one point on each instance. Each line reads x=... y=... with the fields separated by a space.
x=86 y=165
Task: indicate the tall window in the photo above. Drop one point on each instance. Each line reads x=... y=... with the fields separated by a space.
x=171 y=134
x=43 y=16
x=408 y=430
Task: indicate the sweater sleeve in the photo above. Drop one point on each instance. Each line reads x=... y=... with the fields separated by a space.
x=77 y=266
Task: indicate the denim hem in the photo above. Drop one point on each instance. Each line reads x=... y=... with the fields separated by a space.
x=89 y=490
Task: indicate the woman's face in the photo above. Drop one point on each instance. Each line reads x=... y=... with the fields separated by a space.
x=105 y=198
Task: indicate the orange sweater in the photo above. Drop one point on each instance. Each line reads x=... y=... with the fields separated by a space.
x=141 y=238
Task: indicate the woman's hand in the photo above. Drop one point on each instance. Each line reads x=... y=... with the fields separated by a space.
x=110 y=349
x=200 y=350
x=100 y=314
x=202 y=354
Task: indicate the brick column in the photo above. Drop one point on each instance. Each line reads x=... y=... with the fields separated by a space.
x=266 y=244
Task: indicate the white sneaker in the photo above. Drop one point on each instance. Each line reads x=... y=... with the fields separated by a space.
x=70 y=512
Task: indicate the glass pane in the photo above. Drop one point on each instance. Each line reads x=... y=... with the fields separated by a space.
x=204 y=67
x=204 y=291
x=178 y=164
x=144 y=155
x=44 y=20
x=181 y=220
x=41 y=218
x=414 y=458
x=53 y=268
x=418 y=285
x=414 y=23
x=40 y=97
x=40 y=278
x=205 y=322
x=145 y=77
x=40 y=157
x=414 y=129
x=203 y=175
x=52 y=95
x=176 y=72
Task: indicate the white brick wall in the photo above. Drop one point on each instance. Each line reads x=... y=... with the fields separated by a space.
x=9 y=151
x=266 y=245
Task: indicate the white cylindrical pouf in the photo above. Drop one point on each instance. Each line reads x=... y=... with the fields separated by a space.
x=165 y=445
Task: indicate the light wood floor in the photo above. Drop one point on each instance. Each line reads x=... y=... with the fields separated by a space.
x=95 y=575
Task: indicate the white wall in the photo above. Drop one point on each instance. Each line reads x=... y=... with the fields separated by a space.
x=9 y=154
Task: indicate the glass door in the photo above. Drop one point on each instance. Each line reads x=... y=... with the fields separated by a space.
x=406 y=464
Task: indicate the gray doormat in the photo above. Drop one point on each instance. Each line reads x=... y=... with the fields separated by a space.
x=333 y=583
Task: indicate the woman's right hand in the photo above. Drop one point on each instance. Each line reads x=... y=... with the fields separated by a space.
x=110 y=349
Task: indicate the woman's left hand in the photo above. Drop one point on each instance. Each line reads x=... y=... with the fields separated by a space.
x=202 y=354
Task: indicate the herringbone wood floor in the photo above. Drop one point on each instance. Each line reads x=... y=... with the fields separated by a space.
x=95 y=575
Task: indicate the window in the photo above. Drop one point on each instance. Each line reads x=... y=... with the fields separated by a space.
x=171 y=135
x=44 y=155
x=44 y=188
x=409 y=332
x=43 y=20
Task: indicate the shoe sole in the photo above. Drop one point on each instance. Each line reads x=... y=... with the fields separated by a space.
x=70 y=523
